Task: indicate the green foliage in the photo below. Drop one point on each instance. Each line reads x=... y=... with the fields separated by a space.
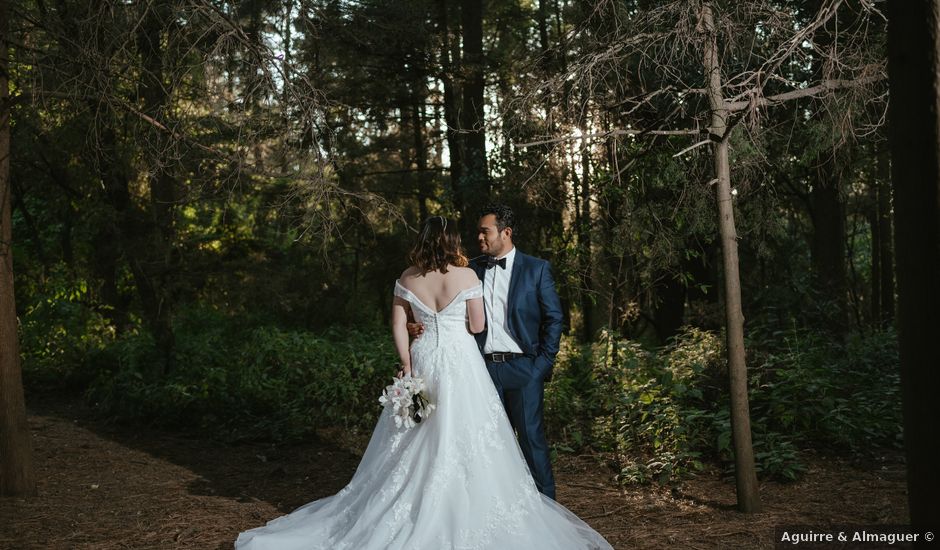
x=664 y=414
x=247 y=382
x=661 y=413
x=58 y=330
x=840 y=394
x=639 y=404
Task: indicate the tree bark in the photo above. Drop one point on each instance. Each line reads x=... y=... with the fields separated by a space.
x=451 y=100
x=885 y=250
x=585 y=255
x=424 y=182
x=914 y=113
x=17 y=477
x=162 y=262
x=828 y=245
x=876 y=271
x=474 y=180
x=132 y=238
x=745 y=474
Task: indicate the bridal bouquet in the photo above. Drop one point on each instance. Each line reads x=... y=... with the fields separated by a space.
x=406 y=402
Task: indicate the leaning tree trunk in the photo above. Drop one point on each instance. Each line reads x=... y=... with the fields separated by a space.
x=745 y=474
x=16 y=452
x=914 y=112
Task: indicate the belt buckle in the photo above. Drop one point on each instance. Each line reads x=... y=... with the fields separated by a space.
x=499 y=357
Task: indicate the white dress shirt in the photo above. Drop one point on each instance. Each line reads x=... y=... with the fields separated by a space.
x=496 y=298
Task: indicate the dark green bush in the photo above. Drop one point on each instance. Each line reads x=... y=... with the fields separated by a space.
x=243 y=382
x=57 y=331
x=661 y=413
x=841 y=395
x=665 y=414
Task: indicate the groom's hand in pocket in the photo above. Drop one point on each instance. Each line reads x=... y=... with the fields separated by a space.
x=525 y=370
x=542 y=368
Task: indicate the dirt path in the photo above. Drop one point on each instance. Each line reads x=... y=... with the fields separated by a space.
x=108 y=487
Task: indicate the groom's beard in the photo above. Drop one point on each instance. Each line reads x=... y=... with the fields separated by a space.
x=489 y=249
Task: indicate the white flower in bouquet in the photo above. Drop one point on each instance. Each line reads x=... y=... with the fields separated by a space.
x=406 y=402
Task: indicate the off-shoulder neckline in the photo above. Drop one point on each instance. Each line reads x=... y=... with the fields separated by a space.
x=430 y=309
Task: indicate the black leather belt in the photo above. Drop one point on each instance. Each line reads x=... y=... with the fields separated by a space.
x=500 y=357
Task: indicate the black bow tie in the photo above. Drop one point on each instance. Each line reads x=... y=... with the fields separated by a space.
x=492 y=262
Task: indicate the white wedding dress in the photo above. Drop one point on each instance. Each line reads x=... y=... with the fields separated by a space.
x=457 y=481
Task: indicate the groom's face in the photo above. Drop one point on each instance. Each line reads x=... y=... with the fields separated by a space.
x=493 y=241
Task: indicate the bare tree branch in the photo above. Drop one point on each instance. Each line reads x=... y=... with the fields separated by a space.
x=611 y=134
x=813 y=91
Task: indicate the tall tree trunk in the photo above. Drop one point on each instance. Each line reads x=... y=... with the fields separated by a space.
x=161 y=265
x=877 y=271
x=449 y=62
x=131 y=231
x=419 y=96
x=885 y=250
x=914 y=112
x=17 y=476
x=611 y=207
x=585 y=256
x=828 y=244
x=745 y=474
x=542 y=22
x=474 y=181
x=553 y=197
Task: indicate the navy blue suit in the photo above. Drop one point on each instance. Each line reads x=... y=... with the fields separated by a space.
x=534 y=320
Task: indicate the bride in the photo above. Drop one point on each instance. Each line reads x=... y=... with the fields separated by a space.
x=458 y=480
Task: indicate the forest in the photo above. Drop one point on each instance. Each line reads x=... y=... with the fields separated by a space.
x=207 y=204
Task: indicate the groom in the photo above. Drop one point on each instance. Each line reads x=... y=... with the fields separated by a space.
x=523 y=329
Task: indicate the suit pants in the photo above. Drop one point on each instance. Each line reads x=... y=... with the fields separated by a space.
x=522 y=391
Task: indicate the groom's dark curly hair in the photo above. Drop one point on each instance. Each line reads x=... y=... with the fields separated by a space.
x=504 y=216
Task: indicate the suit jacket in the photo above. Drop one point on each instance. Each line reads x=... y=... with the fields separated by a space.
x=534 y=318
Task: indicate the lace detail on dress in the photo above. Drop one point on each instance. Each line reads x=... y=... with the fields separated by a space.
x=457 y=481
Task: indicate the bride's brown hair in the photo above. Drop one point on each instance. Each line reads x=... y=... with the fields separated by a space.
x=437 y=246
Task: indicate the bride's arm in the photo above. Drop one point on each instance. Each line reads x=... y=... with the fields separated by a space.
x=400 y=310
x=476 y=315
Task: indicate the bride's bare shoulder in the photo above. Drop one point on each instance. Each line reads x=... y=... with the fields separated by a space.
x=466 y=276
x=409 y=277
x=410 y=273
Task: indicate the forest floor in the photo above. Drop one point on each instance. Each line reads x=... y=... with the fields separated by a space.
x=106 y=487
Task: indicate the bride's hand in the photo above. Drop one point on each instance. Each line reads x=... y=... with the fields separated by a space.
x=404 y=370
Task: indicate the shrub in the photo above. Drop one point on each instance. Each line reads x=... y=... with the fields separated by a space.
x=660 y=413
x=247 y=382
x=57 y=331
x=664 y=413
